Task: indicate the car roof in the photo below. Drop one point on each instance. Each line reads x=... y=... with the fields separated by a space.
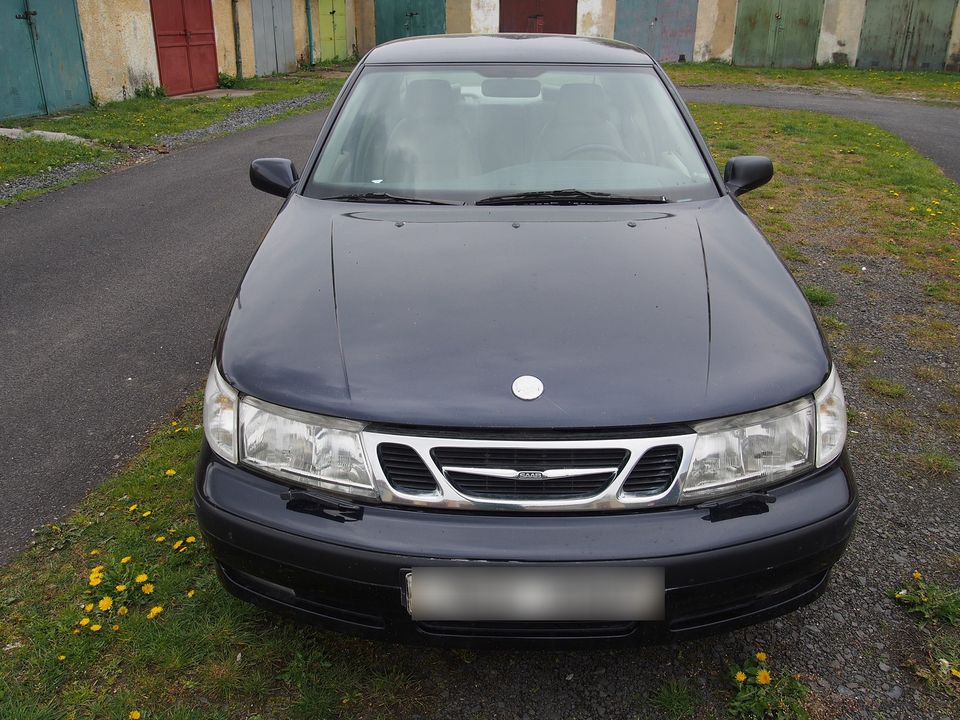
x=507 y=48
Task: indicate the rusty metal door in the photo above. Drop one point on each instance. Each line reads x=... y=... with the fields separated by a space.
x=906 y=34
x=186 y=46
x=777 y=33
x=664 y=28
x=539 y=16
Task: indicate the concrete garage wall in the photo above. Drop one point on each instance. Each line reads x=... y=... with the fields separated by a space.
x=840 y=31
x=596 y=18
x=226 y=45
x=716 y=24
x=484 y=16
x=119 y=45
x=458 y=16
x=953 y=49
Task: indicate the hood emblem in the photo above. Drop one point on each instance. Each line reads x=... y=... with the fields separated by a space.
x=527 y=387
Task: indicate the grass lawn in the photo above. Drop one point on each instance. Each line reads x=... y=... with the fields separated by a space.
x=29 y=156
x=140 y=121
x=926 y=85
x=843 y=184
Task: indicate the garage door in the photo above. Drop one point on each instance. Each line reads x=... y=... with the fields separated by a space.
x=409 y=18
x=664 y=28
x=906 y=34
x=186 y=45
x=273 y=49
x=777 y=33
x=538 y=16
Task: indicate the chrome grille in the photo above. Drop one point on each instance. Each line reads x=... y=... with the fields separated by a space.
x=528 y=475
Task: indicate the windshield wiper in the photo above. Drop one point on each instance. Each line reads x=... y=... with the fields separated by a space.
x=571 y=197
x=384 y=197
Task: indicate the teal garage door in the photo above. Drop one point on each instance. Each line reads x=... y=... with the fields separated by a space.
x=664 y=28
x=408 y=18
x=42 y=69
x=906 y=34
x=777 y=33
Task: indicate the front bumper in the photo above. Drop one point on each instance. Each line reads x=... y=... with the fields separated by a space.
x=723 y=570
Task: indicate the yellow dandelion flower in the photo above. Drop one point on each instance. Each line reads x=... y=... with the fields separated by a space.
x=96 y=580
x=177 y=544
x=84 y=622
x=955 y=672
x=124 y=560
x=191 y=593
x=120 y=588
x=142 y=577
x=88 y=607
x=763 y=677
x=183 y=549
x=160 y=538
x=132 y=507
x=76 y=631
x=146 y=514
x=94 y=552
x=146 y=588
x=114 y=627
x=95 y=628
x=170 y=472
x=154 y=611
x=740 y=676
x=191 y=539
x=134 y=715
x=106 y=602
x=761 y=656
x=122 y=610
x=97 y=569
x=917 y=575
x=61 y=658
x=174 y=423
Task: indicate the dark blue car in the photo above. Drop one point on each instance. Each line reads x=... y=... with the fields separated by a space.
x=513 y=364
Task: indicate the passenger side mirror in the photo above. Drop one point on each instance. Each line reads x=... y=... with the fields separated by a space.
x=747 y=172
x=273 y=175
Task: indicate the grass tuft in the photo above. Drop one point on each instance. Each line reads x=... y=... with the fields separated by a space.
x=887 y=388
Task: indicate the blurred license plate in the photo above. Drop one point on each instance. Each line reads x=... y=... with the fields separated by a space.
x=566 y=594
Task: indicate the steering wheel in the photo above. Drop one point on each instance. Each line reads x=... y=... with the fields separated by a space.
x=598 y=147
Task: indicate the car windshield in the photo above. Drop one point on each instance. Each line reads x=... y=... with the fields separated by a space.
x=473 y=133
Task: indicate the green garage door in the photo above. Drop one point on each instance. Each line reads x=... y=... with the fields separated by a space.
x=777 y=33
x=407 y=18
x=906 y=34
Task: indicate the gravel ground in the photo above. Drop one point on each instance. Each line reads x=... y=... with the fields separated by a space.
x=237 y=120
x=854 y=645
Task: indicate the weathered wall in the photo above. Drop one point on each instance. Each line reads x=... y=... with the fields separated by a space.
x=716 y=23
x=840 y=31
x=458 y=16
x=366 y=28
x=596 y=17
x=119 y=46
x=953 y=49
x=226 y=45
x=484 y=16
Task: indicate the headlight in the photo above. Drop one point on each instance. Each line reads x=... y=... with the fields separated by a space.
x=759 y=449
x=307 y=449
x=220 y=415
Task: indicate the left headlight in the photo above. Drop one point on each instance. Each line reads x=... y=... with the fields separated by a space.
x=307 y=449
x=750 y=451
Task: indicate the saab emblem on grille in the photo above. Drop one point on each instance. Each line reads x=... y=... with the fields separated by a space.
x=527 y=387
x=530 y=475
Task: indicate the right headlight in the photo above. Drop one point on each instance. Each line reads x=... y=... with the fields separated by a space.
x=746 y=452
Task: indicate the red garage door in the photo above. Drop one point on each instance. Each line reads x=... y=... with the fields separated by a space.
x=186 y=46
x=539 y=16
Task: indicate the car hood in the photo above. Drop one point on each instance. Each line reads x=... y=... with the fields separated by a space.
x=425 y=316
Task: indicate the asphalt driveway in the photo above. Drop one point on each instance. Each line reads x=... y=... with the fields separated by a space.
x=110 y=294
x=111 y=291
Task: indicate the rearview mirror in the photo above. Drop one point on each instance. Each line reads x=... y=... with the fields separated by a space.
x=273 y=175
x=747 y=172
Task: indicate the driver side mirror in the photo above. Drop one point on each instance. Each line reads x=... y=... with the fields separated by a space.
x=747 y=172
x=273 y=175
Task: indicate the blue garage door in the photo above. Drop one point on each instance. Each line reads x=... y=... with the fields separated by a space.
x=664 y=28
